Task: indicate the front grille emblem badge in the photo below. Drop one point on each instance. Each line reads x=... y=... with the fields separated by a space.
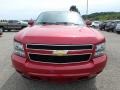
x=60 y=52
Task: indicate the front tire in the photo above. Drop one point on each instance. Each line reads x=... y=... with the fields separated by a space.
x=107 y=30
x=114 y=31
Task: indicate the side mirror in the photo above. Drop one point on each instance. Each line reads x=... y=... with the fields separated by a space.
x=31 y=22
x=88 y=23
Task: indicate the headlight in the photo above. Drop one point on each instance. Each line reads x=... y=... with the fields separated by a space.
x=18 y=49
x=100 y=48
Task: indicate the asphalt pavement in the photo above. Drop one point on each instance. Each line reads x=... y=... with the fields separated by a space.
x=109 y=79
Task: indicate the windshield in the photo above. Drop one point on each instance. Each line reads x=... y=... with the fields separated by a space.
x=59 y=17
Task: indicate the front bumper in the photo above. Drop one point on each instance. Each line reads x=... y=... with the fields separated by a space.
x=59 y=71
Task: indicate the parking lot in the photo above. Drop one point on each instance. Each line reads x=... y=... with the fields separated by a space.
x=109 y=79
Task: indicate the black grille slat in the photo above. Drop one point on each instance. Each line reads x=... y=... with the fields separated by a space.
x=60 y=47
x=59 y=59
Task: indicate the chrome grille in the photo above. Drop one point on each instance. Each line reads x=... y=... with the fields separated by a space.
x=36 y=53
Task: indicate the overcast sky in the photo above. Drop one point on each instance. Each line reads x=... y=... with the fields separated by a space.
x=27 y=9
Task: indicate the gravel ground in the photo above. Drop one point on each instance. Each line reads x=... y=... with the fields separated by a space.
x=109 y=79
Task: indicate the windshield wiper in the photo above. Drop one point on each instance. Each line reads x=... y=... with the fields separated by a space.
x=57 y=23
x=48 y=23
x=66 y=23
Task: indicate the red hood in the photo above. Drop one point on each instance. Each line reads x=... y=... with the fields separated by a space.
x=59 y=34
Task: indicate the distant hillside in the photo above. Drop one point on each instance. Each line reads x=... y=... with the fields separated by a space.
x=103 y=16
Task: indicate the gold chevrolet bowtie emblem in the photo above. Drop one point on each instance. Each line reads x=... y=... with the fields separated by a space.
x=60 y=52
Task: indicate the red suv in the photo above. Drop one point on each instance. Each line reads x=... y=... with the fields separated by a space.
x=59 y=46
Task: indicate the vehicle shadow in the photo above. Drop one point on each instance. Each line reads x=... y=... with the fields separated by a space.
x=16 y=82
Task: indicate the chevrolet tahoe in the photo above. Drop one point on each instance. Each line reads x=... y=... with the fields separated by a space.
x=59 y=45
